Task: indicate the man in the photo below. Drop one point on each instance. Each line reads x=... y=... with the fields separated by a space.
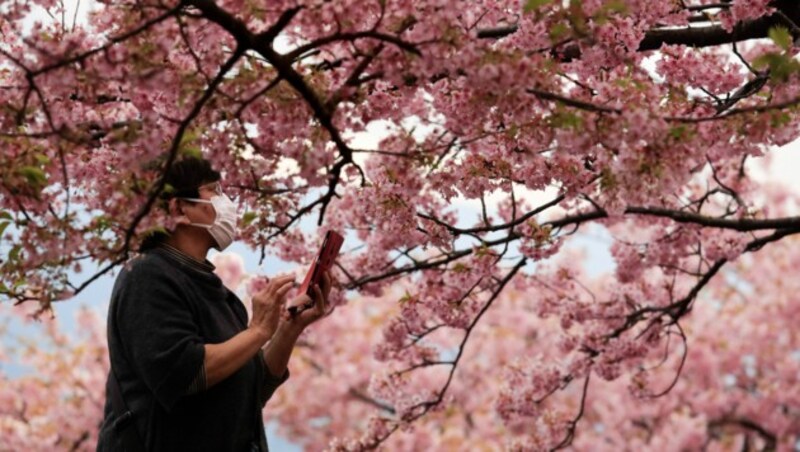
x=188 y=371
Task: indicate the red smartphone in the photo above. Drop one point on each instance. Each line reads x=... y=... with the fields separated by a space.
x=321 y=264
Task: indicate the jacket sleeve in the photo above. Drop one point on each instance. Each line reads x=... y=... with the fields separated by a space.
x=158 y=333
x=271 y=382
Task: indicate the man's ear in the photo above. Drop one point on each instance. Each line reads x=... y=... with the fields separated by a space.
x=176 y=210
x=172 y=207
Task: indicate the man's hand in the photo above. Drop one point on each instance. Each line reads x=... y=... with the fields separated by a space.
x=223 y=359
x=267 y=306
x=308 y=316
x=279 y=349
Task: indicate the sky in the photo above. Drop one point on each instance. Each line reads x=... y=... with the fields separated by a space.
x=784 y=167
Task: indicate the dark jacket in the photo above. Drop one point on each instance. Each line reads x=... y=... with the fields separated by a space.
x=164 y=308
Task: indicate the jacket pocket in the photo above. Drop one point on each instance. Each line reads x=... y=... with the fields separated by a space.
x=122 y=422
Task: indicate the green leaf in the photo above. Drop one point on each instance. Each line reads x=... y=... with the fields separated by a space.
x=127 y=134
x=405 y=298
x=34 y=175
x=41 y=158
x=781 y=66
x=3 y=227
x=565 y=119
x=558 y=31
x=512 y=131
x=533 y=5
x=192 y=151
x=766 y=60
x=607 y=179
x=19 y=283
x=101 y=223
x=780 y=119
x=14 y=253
x=248 y=217
x=188 y=145
x=781 y=37
x=603 y=14
x=679 y=132
x=615 y=6
x=577 y=18
x=5 y=215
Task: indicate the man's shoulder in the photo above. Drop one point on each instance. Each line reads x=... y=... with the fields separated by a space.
x=144 y=276
x=143 y=262
x=147 y=266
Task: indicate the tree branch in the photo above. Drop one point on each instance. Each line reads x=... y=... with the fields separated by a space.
x=176 y=141
x=712 y=35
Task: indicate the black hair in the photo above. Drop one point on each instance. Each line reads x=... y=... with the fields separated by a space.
x=183 y=179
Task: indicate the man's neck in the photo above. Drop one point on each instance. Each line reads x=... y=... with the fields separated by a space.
x=188 y=244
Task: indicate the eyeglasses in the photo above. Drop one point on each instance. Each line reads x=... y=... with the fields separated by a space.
x=217 y=189
x=213 y=186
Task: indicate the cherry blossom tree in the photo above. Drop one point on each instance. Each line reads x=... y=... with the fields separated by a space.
x=638 y=117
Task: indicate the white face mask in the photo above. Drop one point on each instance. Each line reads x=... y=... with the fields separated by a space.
x=223 y=229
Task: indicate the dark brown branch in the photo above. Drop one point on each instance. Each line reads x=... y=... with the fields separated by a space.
x=509 y=225
x=365 y=398
x=173 y=152
x=353 y=36
x=680 y=216
x=573 y=424
x=712 y=35
x=285 y=70
x=742 y=224
x=421 y=365
x=705 y=7
x=412 y=268
x=674 y=311
x=680 y=366
x=737 y=111
x=111 y=42
x=427 y=405
x=572 y=102
x=750 y=88
x=769 y=438
x=353 y=79
x=496 y=293
x=596 y=108
x=497 y=32
x=788 y=225
x=231 y=24
x=272 y=32
x=272 y=84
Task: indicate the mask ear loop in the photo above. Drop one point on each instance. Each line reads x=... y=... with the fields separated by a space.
x=184 y=219
x=204 y=201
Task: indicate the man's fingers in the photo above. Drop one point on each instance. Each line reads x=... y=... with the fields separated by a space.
x=326 y=283
x=319 y=300
x=281 y=291
x=278 y=282
x=301 y=302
